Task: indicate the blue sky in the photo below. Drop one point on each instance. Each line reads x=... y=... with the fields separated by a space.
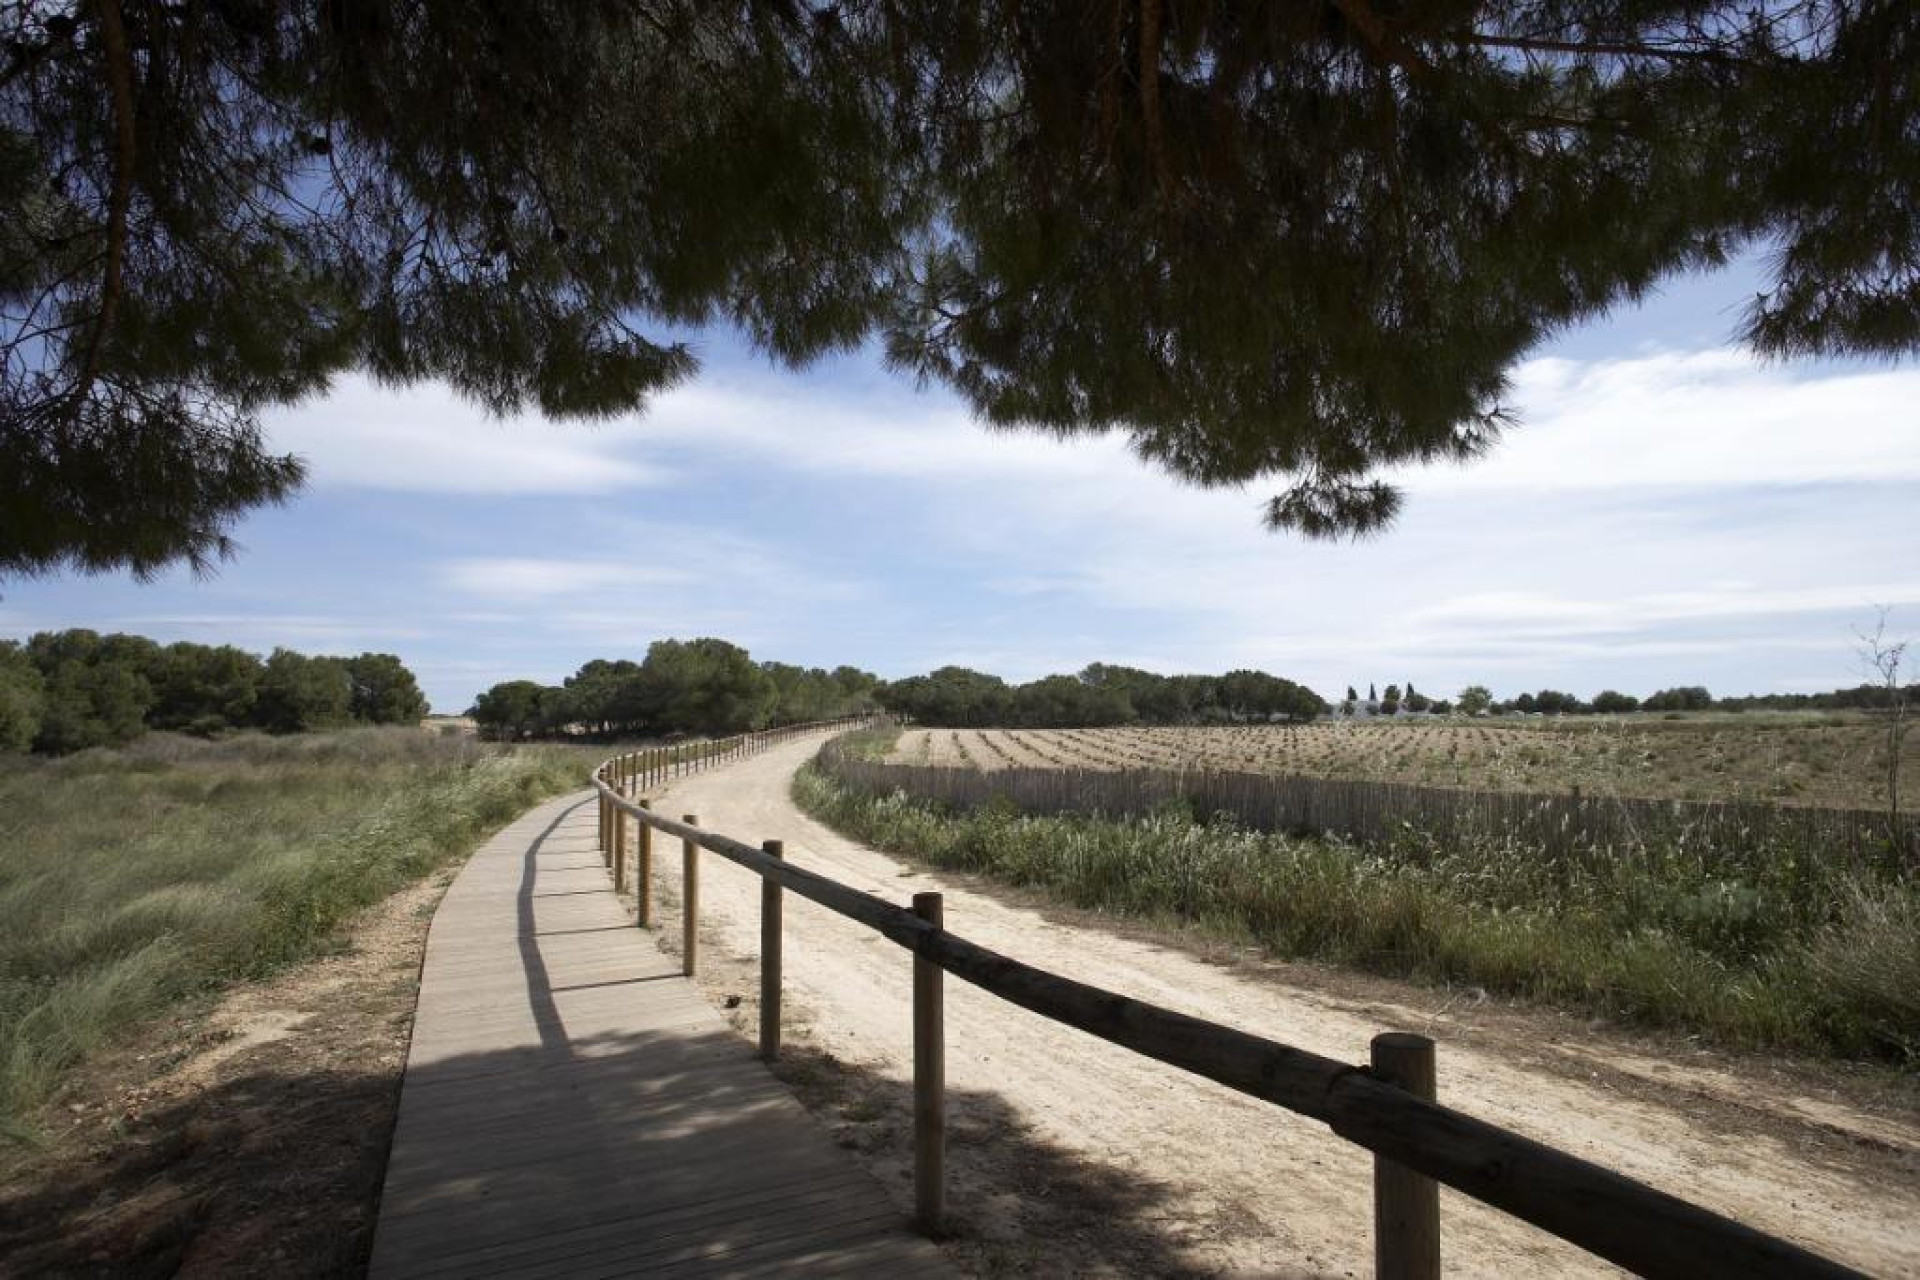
x=1670 y=512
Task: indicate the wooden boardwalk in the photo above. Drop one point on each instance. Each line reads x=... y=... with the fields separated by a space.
x=573 y=1107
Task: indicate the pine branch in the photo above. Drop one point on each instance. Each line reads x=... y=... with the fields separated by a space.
x=119 y=68
x=1152 y=36
x=1380 y=38
x=1602 y=48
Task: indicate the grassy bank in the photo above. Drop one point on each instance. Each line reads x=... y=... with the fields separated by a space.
x=1775 y=952
x=133 y=879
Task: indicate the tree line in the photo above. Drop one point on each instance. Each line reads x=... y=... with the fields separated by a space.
x=65 y=691
x=1476 y=699
x=712 y=687
x=703 y=686
x=1099 y=695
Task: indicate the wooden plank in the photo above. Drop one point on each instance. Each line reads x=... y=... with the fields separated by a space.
x=573 y=1106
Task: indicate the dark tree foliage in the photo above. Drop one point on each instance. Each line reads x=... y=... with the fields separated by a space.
x=512 y=710
x=703 y=686
x=201 y=689
x=300 y=693
x=1613 y=702
x=1279 y=240
x=97 y=690
x=1685 y=698
x=950 y=696
x=23 y=698
x=1864 y=697
x=1552 y=702
x=384 y=691
x=1099 y=695
x=68 y=690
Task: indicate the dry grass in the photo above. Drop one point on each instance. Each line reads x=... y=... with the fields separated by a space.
x=134 y=880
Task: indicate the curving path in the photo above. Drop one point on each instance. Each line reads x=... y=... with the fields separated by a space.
x=1070 y=1154
x=572 y=1107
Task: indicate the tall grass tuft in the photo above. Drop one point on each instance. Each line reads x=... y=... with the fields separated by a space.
x=135 y=878
x=1785 y=952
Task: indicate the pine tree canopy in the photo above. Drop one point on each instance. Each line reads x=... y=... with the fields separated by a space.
x=1287 y=241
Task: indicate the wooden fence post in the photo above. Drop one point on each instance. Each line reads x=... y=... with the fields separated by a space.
x=606 y=836
x=929 y=1080
x=1406 y=1205
x=619 y=850
x=643 y=876
x=770 y=957
x=689 y=901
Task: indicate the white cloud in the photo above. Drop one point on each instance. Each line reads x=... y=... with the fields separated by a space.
x=1542 y=612
x=527 y=578
x=425 y=439
x=1695 y=419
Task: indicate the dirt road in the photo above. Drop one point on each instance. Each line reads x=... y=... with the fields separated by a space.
x=1068 y=1154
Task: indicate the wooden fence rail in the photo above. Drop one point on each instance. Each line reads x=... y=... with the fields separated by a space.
x=1560 y=825
x=1385 y=1107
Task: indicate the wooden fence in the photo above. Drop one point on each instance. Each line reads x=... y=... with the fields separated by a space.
x=1373 y=812
x=1385 y=1105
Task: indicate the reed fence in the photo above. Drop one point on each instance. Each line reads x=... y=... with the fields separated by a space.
x=1385 y=1105
x=1563 y=825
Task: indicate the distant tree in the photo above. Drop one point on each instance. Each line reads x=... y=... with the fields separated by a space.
x=23 y=698
x=857 y=689
x=1474 y=700
x=1390 y=700
x=384 y=691
x=1686 y=698
x=1416 y=701
x=1351 y=695
x=1441 y=707
x=203 y=689
x=1257 y=695
x=100 y=704
x=96 y=690
x=1552 y=702
x=1612 y=702
x=950 y=696
x=1524 y=703
x=298 y=693
x=809 y=693
x=1371 y=695
x=705 y=686
x=512 y=710
x=607 y=698
x=1068 y=702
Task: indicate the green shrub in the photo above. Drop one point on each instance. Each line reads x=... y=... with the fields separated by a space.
x=1762 y=951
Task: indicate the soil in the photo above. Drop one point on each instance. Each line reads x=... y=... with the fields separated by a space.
x=248 y=1136
x=1070 y=1153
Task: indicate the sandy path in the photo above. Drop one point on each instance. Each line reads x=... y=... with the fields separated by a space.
x=1177 y=1174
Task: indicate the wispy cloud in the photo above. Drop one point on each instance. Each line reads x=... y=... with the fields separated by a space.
x=1711 y=419
x=527 y=578
x=425 y=439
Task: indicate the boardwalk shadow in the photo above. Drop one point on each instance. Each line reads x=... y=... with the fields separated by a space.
x=1018 y=1203
x=641 y=1157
